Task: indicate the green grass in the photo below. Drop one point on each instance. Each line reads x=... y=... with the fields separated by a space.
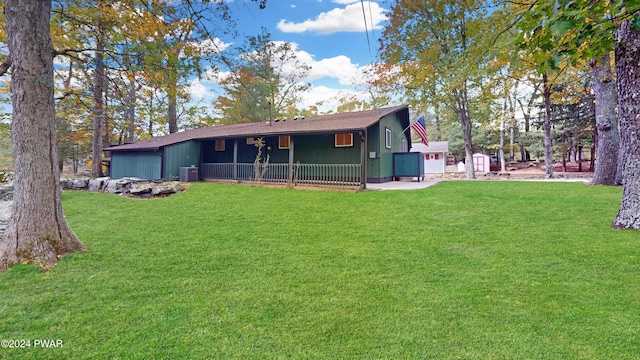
x=463 y=270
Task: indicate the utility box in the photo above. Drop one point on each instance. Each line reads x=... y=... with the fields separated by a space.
x=408 y=164
x=189 y=174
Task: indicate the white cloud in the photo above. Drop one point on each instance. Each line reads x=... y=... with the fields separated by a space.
x=348 y=19
x=213 y=45
x=196 y=89
x=327 y=97
x=340 y=68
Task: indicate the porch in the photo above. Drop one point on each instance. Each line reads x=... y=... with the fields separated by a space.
x=285 y=173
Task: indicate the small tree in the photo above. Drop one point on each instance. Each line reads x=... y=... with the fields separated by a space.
x=260 y=167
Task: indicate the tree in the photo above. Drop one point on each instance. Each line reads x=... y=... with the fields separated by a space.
x=583 y=29
x=441 y=49
x=608 y=169
x=265 y=81
x=627 y=52
x=126 y=50
x=37 y=231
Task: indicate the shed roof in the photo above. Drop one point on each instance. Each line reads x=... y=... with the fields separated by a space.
x=433 y=147
x=353 y=121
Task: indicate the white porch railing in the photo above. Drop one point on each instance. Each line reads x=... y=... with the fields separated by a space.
x=309 y=174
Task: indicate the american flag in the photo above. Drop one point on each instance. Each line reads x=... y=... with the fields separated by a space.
x=418 y=126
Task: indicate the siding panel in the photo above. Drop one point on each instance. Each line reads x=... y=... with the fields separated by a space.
x=180 y=155
x=144 y=165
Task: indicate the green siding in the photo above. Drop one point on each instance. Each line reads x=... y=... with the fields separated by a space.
x=373 y=145
x=210 y=155
x=382 y=166
x=308 y=149
x=277 y=156
x=144 y=165
x=321 y=149
x=180 y=155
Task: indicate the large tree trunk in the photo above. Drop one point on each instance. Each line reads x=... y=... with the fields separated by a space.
x=548 y=154
x=606 y=123
x=465 y=123
x=37 y=232
x=98 y=110
x=130 y=110
x=502 y=163
x=627 y=53
x=172 y=117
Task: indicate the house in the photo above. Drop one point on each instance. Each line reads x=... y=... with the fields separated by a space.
x=337 y=149
x=435 y=156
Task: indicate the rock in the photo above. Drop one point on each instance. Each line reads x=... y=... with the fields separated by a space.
x=6 y=193
x=80 y=183
x=5 y=212
x=66 y=183
x=5 y=209
x=7 y=176
x=171 y=187
x=119 y=186
x=141 y=188
x=97 y=184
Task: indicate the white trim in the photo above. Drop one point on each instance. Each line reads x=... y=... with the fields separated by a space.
x=387 y=138
x=348 y=144
x=288 y=142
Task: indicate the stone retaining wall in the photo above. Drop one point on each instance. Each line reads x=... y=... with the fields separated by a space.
x=126 y=186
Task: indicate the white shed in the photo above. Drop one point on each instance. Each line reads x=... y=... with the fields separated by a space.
x=435 y=156
x=481 y=162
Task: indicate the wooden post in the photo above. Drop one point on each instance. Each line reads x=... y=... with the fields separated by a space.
x=235 y=160
x=363 y=158
x=291 y=153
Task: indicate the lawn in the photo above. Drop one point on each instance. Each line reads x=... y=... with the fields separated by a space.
x=462 y=270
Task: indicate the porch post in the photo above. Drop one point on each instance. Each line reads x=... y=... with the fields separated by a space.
x=291 y=151
x=363 y=158
x=235 y=160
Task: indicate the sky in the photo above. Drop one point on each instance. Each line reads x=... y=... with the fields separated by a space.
x=330 y=35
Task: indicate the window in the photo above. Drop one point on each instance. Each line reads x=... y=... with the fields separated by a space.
x=219 y=145
x=251 y=141
x=435 y=156
x=387 y=138
x=284 y=142
x=344 y=140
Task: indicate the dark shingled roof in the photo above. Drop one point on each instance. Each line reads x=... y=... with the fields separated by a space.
x=353 y=121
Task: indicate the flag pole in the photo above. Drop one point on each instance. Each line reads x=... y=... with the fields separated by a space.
x=410 y=123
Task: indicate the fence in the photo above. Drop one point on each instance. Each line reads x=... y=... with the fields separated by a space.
x=308 y=174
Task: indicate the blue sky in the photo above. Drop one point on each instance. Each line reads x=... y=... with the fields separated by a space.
x=330 y=36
